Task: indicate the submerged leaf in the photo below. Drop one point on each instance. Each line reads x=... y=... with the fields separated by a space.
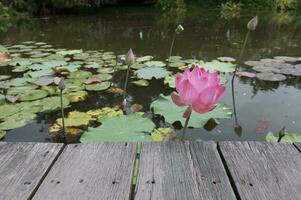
x=288 y=137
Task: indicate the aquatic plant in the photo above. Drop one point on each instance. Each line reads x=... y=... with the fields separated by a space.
x=129 y=60
x=61 y=86
x=199 y=90
x=251 y=26
x=177 y=31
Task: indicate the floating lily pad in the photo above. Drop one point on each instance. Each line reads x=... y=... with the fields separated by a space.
x=105 y=112
x=76 y=119
x=69 y=52
x=172 y=113
x=8 y=110
x=246 y=74
x=144 y=59
x=155 y=64
x=80 y=74
x=269 y=76
x=77 y=96
x=138 y=65
x=34 y=95
x=287 y=59
x=252 y=63
x=52 y=103
x=2 y=134
x=105 y=70
x=170 y=81
x=99 y=86
x=142 y=82
x=288 y=137
x=216 y=65
x=104 y=77
x=131 y=128
x=176 y=64
x=175 y=59
x=17 y=120
x=226 y=59
x=4 y=77
x=152 y=72
x=266 y=69
x=44 y=81
x=160 y=134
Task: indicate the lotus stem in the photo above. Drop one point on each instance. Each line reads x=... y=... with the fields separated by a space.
x=63 y=116
x=126 y=80
x=185 y=128
x=171 y=46
x=234 y=74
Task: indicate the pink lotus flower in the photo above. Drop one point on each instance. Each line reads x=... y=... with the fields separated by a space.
x=198 y=89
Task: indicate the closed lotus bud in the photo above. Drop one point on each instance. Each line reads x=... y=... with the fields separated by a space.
x=179 y=29
x=124 y=103
x=61 y=84
x=129 y=57
x=253 y=23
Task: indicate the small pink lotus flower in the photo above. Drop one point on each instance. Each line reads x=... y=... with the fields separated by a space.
x=252 y=25
x=198 y=89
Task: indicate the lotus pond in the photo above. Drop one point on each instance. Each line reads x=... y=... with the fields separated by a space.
x=89 y=51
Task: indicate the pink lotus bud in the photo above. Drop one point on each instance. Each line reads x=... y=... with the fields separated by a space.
x=61 y=84
x=199 y=89
x=129 y=57
x=253 y=23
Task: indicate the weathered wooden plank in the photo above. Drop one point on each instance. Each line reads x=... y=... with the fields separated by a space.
x=91 y=171
x=264 y=171
x=298 y=145
x=182 y=171
x=22 y=167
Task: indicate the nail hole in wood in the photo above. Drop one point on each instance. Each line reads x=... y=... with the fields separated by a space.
x=81 y=180
x=51 y=181
x=115 y=182
x=126 y=144
x=58 y=182
x=251 y=184
x=75 y=146
x=45 y=154
x=27 y=183
x=153 y=182
x=214 y=182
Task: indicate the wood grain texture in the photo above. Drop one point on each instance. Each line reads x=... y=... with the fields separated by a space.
x=22 y=167
x=264 y=171
x=298 y=145
x=181 y=171
x=91 y=171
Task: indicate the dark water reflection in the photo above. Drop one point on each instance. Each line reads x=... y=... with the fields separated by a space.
x=206 y=36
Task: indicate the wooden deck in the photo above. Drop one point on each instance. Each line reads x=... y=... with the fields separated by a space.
x=113 y=171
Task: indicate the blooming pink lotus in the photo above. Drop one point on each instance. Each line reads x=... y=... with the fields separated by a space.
x=198 y=89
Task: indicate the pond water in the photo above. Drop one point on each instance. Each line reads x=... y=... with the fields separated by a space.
x=262 y=106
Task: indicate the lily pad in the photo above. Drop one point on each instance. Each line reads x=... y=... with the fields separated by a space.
x=270 y=76
x=172 y=113
x=80 y=74
x=76 y=119
x=152 y=72
x=216 y=65
x=131 y=128
x=34 y=95
x=17 y=120
x=246 y=74
x=104 y=77
x=52 y=103
x=160 y=134
x=4 y=77
x=105 y=112
x=8 y=110
x=155 y=64
x=252 y=63
x=288 y=137
x=142 y=82
x=170 y=81
x=226 y=59
x=77 y=96
x=287 y=59
x=144 y=59
x=99 y=86
x=44 y=80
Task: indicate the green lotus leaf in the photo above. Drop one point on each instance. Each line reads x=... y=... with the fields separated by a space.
x=130 y=128
x=288 y=137
x=138 y=65
x=177 y=64
x=34 y=95
x=7 y=110
x=141 y=83
x=107 y=70
x=80 y=74
x=21 y=90
x=70 y=52
x=4 y=77
x=152 y=72
x=77 y=96
x=216 y=65
x=144 y=59
x=17 y=120
x=2 y=134
x=173 y=59
x=53 y=103
x=155 y=64
x=99 y=86
x=170 y=81
x=104 y=77
x=165 y=107
x=105 y=112
x=20 y=69
x=2 y=98
x=76 y=119
x=159 y=135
